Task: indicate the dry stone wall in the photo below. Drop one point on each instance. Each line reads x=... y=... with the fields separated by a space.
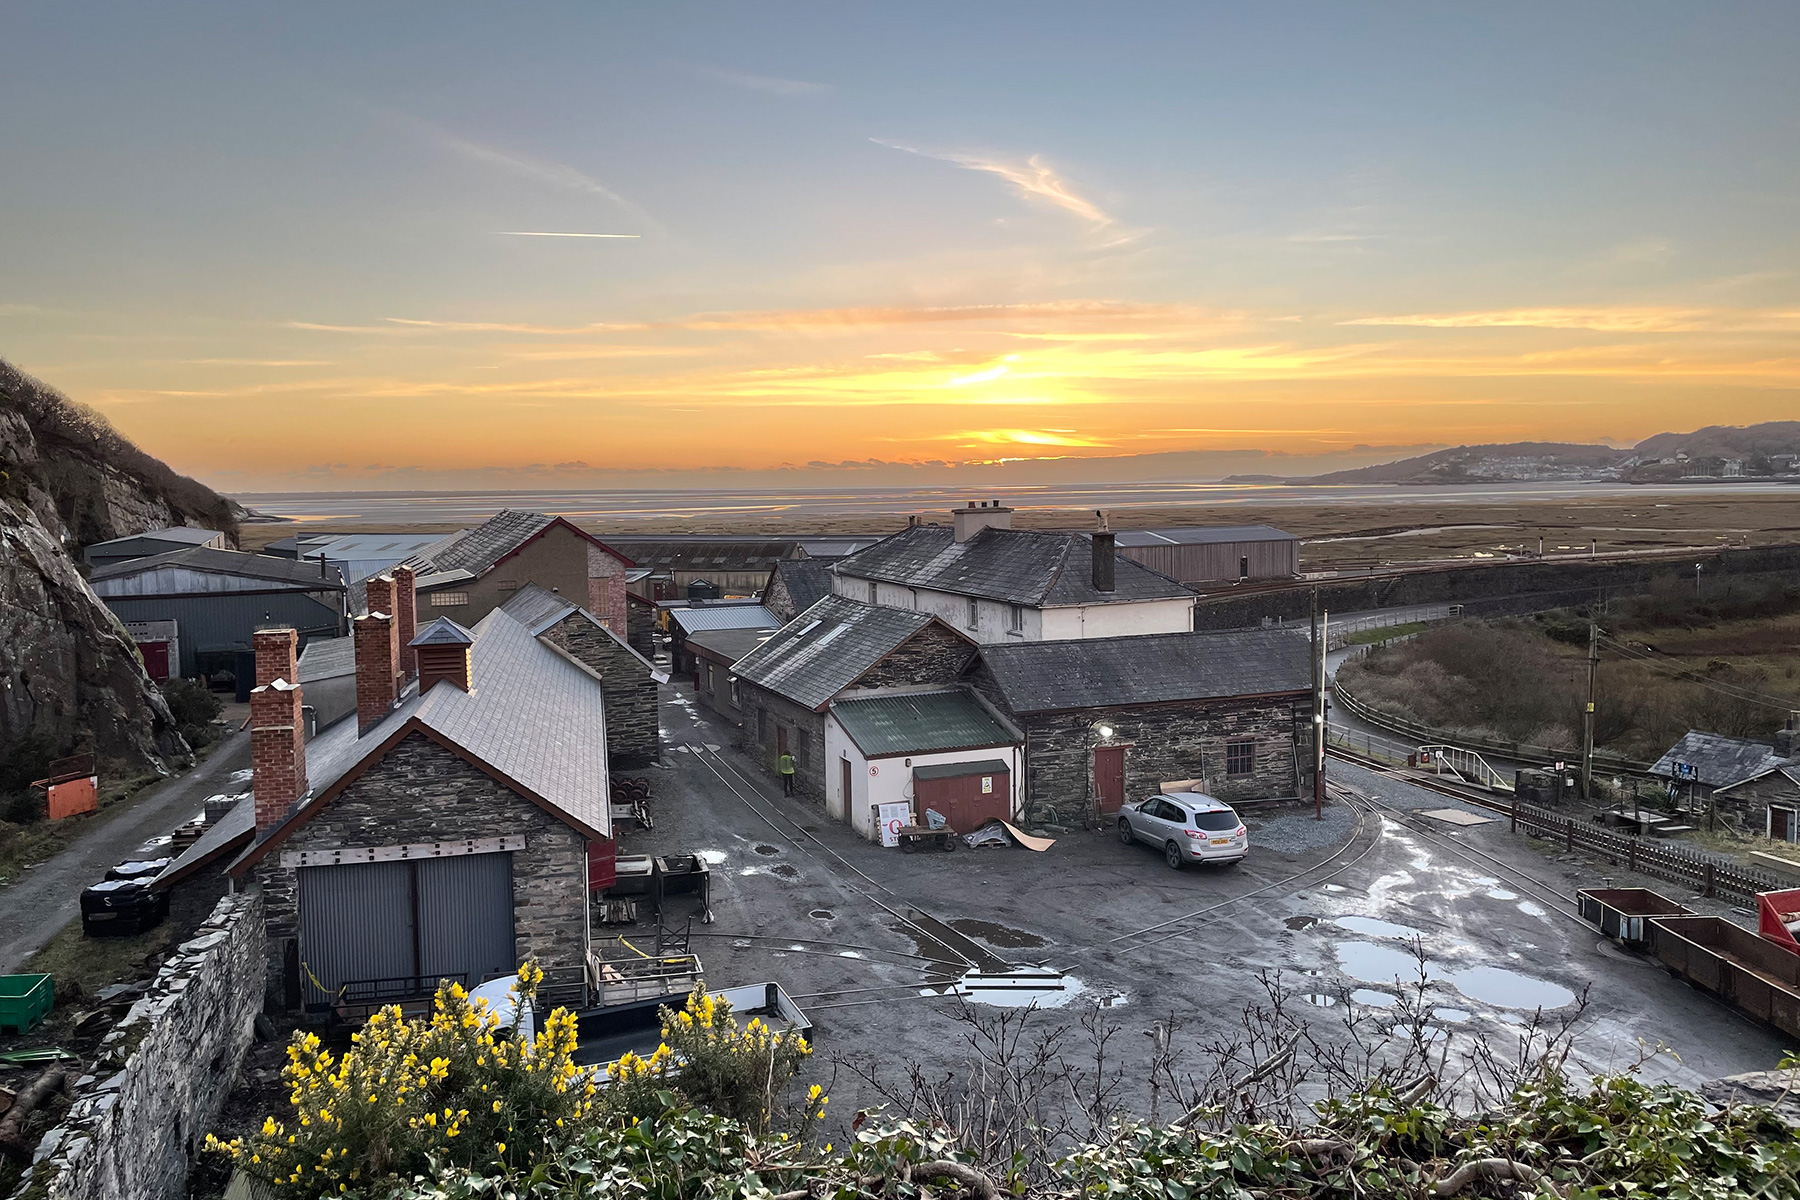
x=133 y=1133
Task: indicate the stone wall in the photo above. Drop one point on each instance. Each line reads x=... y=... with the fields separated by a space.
x=932 y=655
x=1750 y=801
x=422 y=792
x=763 y=713
x=632 y=740
x=1163 y=741
x=142 y=1114
x=640 y=626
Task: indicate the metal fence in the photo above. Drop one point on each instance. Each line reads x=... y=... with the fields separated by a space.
x=1707 y=875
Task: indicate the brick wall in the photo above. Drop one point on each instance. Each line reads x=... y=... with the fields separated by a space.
x=162 y=1074
x=606 y=588
x=632 y=740
x=421 y=792
x=1164 y=741
x=763 y=713
x=932 y=655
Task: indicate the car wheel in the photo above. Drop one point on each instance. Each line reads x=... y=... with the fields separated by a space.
x=1126 y=837
x=1172 y=856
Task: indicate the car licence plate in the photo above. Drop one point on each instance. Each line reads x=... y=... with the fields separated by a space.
x=1221 y=841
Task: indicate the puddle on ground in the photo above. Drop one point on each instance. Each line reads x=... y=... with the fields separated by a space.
x=1301 y=922
x=1381 y=964
x=765 y=848
x=750 y=871
x=1532 y=910
x=1014 y=989
x=1501 y=894
x=1427 y=1033
x=928 y=946
x=1334 y=887
x=849 y=954
x=1370 y=927
x=712 y=857
x=1320 y=999
x=712 y=747
x=1370 y=998
x=1454 y=1016
x=785 y=871
x=822 y=914
x=741 y=943
x=994 y=934
x=1509 y=989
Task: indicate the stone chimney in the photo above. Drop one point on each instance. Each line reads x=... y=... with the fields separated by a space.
x=444 y=654
x=978 y=515
x=1104 y=555
x=406 y=617
x=277 y=748
x=377 y=652
x=1787 y=738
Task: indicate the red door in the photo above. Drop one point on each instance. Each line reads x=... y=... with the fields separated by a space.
x=602 y=864
x=156 y=659
x=1109 y=778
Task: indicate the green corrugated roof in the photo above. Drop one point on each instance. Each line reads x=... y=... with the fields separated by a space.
x=921 y=723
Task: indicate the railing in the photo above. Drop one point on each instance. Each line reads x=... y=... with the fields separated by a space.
x=1706 y=874
x=1464 y=765
x=1338 y=632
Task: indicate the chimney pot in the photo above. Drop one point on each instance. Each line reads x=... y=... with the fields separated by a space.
x=978 y=515
x=377 y=652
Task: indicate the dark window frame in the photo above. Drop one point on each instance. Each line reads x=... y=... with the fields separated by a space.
x=1240 y=758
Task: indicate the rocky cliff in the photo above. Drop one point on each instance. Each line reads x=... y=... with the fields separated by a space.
x=70 y=678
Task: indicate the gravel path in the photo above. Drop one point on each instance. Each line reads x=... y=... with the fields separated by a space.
x=1299 y=832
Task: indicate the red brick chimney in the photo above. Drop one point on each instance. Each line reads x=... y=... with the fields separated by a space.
x=277 y=749
x=276 y=655
x=376 y=653
x=444 y=654
x=406 y=618
x=380 y=592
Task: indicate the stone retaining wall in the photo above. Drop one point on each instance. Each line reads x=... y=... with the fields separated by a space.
x=133 y=1133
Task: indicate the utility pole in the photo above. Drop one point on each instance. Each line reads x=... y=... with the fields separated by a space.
x=1696 y=581
x=1318 y=678
x=1587 y=714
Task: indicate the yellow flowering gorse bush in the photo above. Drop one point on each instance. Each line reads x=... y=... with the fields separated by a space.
x=452 y=1089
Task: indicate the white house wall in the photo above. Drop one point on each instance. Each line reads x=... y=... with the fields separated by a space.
x=994 y=620
x=892 y=782
x=1117 y=620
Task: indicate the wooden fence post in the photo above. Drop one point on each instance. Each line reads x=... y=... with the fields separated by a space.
x=1569 y=832
x=1711 y=867
x=1631 y=853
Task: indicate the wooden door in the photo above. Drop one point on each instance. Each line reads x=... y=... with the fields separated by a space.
x=1109 y=778
x=845 y=777
x=780 y=740
x=156 y=659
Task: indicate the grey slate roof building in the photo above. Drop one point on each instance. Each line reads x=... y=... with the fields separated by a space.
x=1718 y=761
x=795 y=585
x=475 y=550
x=922 y=723
x=826 y=648
x=1031 y=567
x=534 y=717
x=1150 y=669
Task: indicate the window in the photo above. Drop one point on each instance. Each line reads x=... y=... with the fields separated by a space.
x=1018 y=619
x=732 y=680
x=1244 y=567
x=509 y=585
x=974 y=612
x=712 y=683
x=1240 y=758
x=449 y=599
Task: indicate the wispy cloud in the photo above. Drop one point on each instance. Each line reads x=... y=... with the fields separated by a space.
x=768 y=84
x=1034 y=179
x=1605 y=320
x=255 y=362
x=543 y=233
x=523 y=165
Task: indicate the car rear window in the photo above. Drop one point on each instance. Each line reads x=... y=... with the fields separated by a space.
x=1216 y=821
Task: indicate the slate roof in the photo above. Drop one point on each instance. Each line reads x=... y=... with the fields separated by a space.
x=304 y=576
x=1033 y=567
x=538 y=608
x=477 y=550
x=1719 y=761
x=442 y=632
x=808 y=580
x=704 y=553
x=327 y=658
x=827 y=648
x=921 y=723
x=1150 y=669
x=1202 y=535
x=728 y=644
x=1791 y=773
x=185 y=535
x=228 y=835
x=734 y=616
x=533 y=715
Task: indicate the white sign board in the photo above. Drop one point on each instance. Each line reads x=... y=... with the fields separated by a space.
x=890 y=819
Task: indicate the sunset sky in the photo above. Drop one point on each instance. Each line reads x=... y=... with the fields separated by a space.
x=332 y=246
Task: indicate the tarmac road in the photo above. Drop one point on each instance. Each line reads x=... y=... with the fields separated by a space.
x=36 y=905
x=805 y=902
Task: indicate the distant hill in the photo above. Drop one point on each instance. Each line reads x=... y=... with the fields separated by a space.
x=1705 y=452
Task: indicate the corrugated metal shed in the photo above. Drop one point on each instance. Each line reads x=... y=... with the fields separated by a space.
x=823 y=650
x=732 y=616
x=921 y=723
x=221 y=622
x=1152 y=669
x=1202 y=554
x=154 y=541
x=205 y=569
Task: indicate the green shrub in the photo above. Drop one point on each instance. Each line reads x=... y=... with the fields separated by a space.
x=192 y=702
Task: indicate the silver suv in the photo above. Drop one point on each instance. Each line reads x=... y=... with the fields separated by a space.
x=1187 y=826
